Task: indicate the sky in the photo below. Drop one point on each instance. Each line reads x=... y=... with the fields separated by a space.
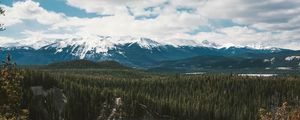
x=274 y=23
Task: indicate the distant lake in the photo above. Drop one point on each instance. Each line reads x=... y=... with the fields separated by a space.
x=195 y=73
x=257 y=75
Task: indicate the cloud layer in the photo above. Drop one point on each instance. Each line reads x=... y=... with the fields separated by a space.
x=274 y=23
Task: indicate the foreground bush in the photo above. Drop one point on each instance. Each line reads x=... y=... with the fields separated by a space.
x=11 y=92
x=284 y=112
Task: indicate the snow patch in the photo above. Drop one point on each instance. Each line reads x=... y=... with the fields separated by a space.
x=58 y=51
x=284 y=68
x=229 y=45
x=272 y=60
x=189 y=42
x=147 y=43
x=267 y=68
x=291 y=58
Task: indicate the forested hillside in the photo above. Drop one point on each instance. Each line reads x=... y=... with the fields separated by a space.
x=91 y=94
x=85 y=64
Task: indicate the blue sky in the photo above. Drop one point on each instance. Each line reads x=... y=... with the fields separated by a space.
x=274 y=23
x=57 y=6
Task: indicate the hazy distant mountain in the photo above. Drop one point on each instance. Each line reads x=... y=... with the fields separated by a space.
x=284 y=60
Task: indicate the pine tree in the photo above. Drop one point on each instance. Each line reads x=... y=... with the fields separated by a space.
x=1 y=25
x=11 y=91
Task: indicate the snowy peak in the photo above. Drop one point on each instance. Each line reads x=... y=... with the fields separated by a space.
x=138 y=51
x=147 y=43
x=105 y=43
x=81 y=46
x=100 y=44
x=192 y=43
x=207 y=43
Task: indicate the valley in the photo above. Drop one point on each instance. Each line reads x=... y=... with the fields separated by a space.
x=156 y=96
x=149 y=60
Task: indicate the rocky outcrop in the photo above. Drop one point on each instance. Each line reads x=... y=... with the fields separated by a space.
x=47 y=104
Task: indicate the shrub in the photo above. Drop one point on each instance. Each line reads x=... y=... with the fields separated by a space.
x=10 y=82
x=284 y=112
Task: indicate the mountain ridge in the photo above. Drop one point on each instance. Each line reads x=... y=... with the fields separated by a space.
x=109 y=42
x=135 y=52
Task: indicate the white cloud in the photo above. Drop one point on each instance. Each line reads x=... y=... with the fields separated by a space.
x=7 y=42
x=29 y=10
x=271 y=12
x=244 y=36
x=113 y=6
x=165 y=25
x=272 y=23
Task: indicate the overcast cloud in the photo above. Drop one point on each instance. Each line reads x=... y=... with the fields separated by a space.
x=273 y=23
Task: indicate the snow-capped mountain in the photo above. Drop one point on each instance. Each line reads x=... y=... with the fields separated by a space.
x=98 y=45
x=133 y=51
x=102 y=44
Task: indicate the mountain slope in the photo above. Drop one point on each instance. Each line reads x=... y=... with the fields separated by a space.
x=134 y=52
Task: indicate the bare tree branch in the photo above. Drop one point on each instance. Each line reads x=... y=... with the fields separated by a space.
x=2 y=13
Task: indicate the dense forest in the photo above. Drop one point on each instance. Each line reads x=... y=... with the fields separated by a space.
x=103 y=92
x=92 y=93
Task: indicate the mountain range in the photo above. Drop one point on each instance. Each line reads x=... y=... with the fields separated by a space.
x=148 y=53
